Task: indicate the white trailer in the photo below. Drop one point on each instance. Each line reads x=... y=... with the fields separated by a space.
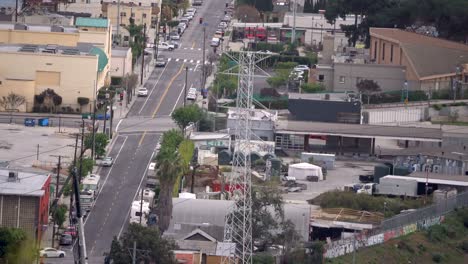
x=391 y=186
x=92 y=183
x=138 y=210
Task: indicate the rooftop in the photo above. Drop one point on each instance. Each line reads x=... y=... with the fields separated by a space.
x=417 y=47
x=256 y=114
x=37 y=28
x=339 y=97
x=449 y=152
x=434 y=178
x=359 y=131
x=28 y=184
x=91 y=22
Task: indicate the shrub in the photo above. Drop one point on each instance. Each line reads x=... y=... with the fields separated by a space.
x=82 y=100
x=268 y=46
x=437 y=107
x=436 y=257
x=437 y=233
x=286 y=65
x=312 y=87
x=173 y=23
x=269 y=92
x=464 y=246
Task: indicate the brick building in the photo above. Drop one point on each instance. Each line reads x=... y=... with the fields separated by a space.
x=24 y=201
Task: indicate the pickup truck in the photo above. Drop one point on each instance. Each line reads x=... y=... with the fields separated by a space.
x=165 y=46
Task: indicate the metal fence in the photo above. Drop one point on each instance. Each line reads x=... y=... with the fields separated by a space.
x=437 y=209
x=53 y=121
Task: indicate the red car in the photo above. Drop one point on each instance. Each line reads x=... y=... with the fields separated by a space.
x=71 y=230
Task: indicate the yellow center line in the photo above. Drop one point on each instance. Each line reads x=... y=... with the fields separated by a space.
x=167 y=89
x=142 y=137
x=193 y=45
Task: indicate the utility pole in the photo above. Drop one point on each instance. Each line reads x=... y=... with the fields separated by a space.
x=82 y=149
x=134 y=253
x=83 y=258
x=293 y=34
x=141 y=206
x=118 y=22
x=112 y=115
x=143 y=54
x=16 y=11
x=185 y=86
x=94 y=121
x=37 y=152
x=71 y=189
x=203 y=60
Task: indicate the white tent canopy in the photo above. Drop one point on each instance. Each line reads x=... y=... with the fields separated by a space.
x=300 y=171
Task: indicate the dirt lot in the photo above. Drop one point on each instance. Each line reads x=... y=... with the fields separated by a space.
x=345 y=172
x=19 y=145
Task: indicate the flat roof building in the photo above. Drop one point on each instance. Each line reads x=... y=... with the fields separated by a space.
x=24 y=201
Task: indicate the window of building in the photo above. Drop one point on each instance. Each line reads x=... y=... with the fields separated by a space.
x=126 y=38
x=391 y=53
x=375 y=50
x=321 y=78
x=144 y=15
x=133 y=14
x=123 y=14
x=342 y=79
x=383 y=51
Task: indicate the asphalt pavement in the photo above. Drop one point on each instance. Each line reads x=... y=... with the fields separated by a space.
x=139 y=133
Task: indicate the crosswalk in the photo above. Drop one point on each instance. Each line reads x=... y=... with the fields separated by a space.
x=186 y=60
x=199 y=49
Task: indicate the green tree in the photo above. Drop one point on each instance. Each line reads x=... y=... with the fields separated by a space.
x=368 y=88
x=312 y=87
x=59 y=214
x=101 y=141
x=15 y=246
x=159 y=249
x=186 y=149
x=183 y=116
x=11 y=102
x=137 y=41
x=169 y=167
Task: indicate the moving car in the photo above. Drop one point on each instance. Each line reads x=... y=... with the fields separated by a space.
x=107 y=162
x=52 y=253
x=175 y=43
x=160 y=61
x=142 y=92
x=66 y=240
x=165 y=46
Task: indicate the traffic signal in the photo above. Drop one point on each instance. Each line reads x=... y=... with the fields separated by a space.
x=227 y=5
x=200 y=20
x=121 y=96
x=164 y=30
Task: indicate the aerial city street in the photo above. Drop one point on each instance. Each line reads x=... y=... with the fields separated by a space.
x=233 y=131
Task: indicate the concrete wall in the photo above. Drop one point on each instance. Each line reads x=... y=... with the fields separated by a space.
x=93 y=8
x=389 y=78
x=24 y=88
x=19 y=212
x=121 y=66
x=46 y=20
x=399 y=115
x=76 y=74
x=38 y=38
x=260 y=128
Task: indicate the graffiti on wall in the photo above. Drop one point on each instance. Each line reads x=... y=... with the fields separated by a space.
x=345 y=246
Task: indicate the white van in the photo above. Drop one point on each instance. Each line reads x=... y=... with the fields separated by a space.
x=214 y=42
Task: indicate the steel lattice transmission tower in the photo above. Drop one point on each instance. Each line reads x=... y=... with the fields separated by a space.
x=238 y=227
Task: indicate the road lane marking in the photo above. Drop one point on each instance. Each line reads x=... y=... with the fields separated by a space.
x=167 y=89
x=134 y=197
x=177 y=60
x=193 y=45
x=196 y=66
x=185 y=60
x=191 y=61
x=118 y=124
x=105 y=181
x=154 y=86
x=178 y=98
x=142 y=137
x=169 y=59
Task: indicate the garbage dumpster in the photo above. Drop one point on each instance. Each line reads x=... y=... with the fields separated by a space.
x=43 y=122
x=29 y=122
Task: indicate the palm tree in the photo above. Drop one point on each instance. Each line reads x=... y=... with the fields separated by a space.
x=169 y=167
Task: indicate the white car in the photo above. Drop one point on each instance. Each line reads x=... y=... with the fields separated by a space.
x=107 y=162
x=142 y=92
x=301 y=68
x=188 y=16
x=191 y=96
x=52 y=253
x=174 y=36
x=223 y=25
x=192 y=10
x=165 y=46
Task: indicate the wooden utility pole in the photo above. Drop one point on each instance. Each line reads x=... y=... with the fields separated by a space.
x=143 y=54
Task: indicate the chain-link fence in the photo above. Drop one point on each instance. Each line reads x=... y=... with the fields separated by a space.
x=52 y=121
x=437 y=209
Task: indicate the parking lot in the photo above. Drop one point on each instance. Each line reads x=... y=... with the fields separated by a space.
x=21 y=146
x=345 y=172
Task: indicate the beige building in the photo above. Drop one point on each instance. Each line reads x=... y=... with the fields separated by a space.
x=431 y=63
x=121 y=62
x=73 y=61
x=142 y=14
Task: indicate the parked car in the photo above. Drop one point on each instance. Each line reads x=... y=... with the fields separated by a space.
x=66 y=240
x=175 y=43
x=52 y=253
x=222 y=25
x=185 y=20
x=197 y=2
x=219 y=33
x=189 y=16
x=226 y=18
x=107 y=162
x=160 y=61
x=71 y=230
x=301 y=68
x=142 y=92
x=165 y=46
x=192 y=10
x=174 y=35
x=215 y=42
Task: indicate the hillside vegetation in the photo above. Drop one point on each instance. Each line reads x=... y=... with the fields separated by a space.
x=445 y=243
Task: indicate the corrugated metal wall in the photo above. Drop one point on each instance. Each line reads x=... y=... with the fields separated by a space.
x=382 y=116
